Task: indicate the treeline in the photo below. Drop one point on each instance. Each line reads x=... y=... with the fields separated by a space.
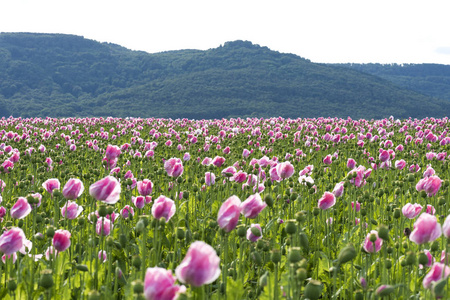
x=65 y=75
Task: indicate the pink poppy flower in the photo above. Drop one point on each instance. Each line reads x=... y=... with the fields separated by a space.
x=51 y=184
x=426 y=229
x=163 y=207
x=20 y=209
x=229 y=214
x=106 y=190
x=411 y=210
x=252 y=206
x=73 y=189
x=159 y=284
x=328 y=200
x=437 y=272
x=61 y=240
x=200 y=266
x=250 y=236
x=372 y=247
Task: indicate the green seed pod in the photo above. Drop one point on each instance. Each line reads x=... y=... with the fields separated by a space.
x=269 y=200
x=316 y=211
x=388 y=263
x=303 y=239
x=50 y=231
x=138 y=287
x=255 y=231
x=383 y=232
x=294 y=255
x=102 y=210
x=259 y=244
x=11 y=285
x=423 y=259
x=411 y=258
x=275 y=256
x=109 y=210
x=110 y=241
x=46 y=279
x=313 y=289
x=291 y=227
x=94 y=295
x=301 y=274
x=300 y=217
x=241 y=230
x=136 y=262
x=180 y=233
x=397 y=213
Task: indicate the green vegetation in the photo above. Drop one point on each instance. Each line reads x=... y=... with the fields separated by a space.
x=429 y=79
x=64 y=75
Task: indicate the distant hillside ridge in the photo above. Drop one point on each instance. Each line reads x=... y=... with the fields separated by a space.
x=61 y=75
x=428 y=79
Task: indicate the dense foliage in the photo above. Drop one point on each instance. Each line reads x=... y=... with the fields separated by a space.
x=428 y=79
x=66 y=75
x=255 y=208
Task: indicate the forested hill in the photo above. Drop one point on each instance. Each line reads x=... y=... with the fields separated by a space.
x=65 y=75
x=428 y=79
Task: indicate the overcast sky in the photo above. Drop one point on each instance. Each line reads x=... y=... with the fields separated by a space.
x=328 y=31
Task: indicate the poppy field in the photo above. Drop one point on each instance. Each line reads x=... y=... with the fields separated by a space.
x=324 y=208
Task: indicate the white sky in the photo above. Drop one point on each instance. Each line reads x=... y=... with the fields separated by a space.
x=328 y=31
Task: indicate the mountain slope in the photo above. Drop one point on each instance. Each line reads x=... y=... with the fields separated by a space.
x=428 y=79
x=65 y=75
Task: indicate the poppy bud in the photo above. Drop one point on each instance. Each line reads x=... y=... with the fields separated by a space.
x=136 y=262
x=384 y=290
x=303 y=239
x=256 y=257
x=438 y=288
x=82 y=268
x=359 y=295
x=347 y=254
x=263 y=280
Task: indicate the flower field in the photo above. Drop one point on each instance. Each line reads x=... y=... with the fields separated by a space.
x=327 y=208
